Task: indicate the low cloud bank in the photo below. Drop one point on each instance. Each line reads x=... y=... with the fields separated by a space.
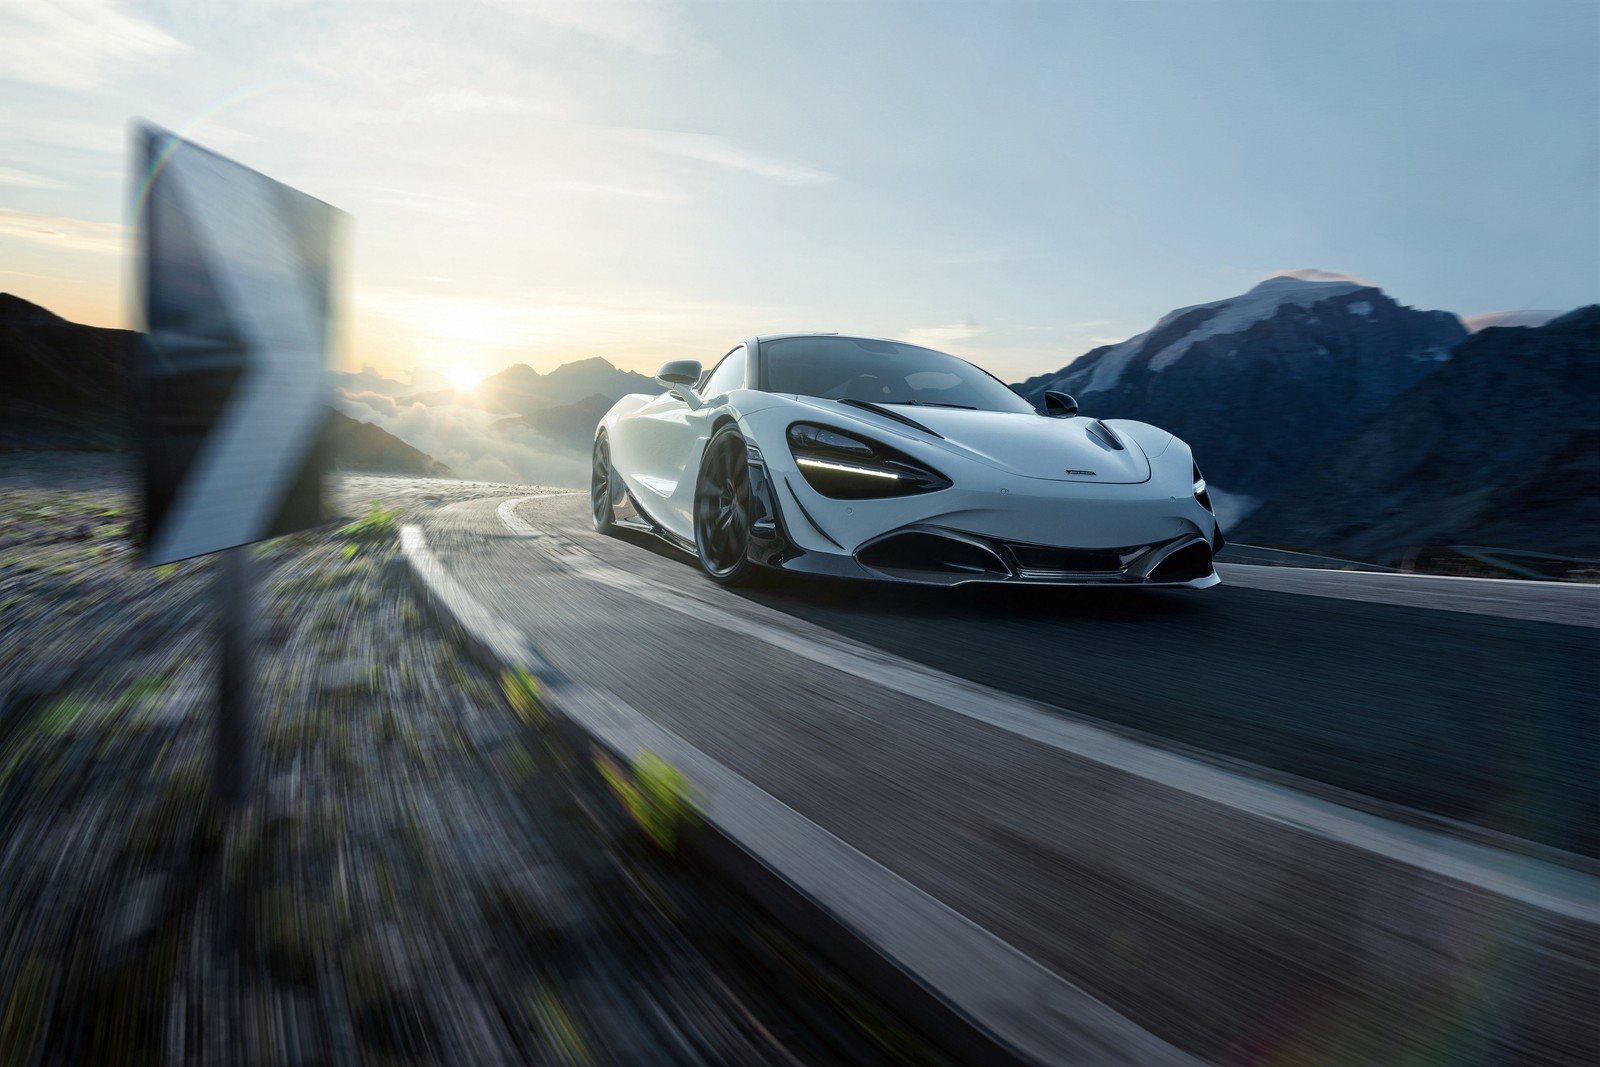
x=474 y=444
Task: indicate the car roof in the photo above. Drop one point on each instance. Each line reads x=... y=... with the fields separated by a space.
x=763 y=338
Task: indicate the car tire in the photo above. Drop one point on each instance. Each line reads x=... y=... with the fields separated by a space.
x=723 y=509
x=602 y=487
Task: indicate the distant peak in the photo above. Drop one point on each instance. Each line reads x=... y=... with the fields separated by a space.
x=517 y=370
x=1286 y=283
x=1588 y=314
x=1316 y=274
x=592 y=363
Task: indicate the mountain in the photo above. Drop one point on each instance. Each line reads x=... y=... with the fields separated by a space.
x=1262 y=383
x=62 y=384
x=361 y=446
x=521 y=390
x=1498 y=447
x=571 y=426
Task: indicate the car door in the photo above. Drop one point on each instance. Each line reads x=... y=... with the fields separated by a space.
x=662 y=446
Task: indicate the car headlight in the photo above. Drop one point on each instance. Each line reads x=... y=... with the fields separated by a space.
x=846 y=467
x=1200 y=493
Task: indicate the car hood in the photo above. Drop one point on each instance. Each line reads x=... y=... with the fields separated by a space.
x=1020 y=443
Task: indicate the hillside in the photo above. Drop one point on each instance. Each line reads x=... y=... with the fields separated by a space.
x=64 y=385
x=361 y=446
x=1499 y=447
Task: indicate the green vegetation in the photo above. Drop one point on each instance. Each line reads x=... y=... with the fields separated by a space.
x=375 y=526
x=63 y=716
x=522 y=692
x=555 y=1022
x=657 y=795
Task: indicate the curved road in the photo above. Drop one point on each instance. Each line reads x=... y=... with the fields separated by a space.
x=959 y=739
x=1453 y=710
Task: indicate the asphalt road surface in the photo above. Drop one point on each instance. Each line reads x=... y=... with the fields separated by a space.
x=1469 y=715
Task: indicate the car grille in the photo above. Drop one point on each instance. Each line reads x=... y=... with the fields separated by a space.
x=1042 y=562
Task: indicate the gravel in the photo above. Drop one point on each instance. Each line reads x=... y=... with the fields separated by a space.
x=420 y=874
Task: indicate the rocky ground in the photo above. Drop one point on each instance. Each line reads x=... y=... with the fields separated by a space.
x=422 y=873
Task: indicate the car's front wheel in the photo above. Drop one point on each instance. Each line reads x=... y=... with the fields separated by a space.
x=722 y=508
x=602 y=499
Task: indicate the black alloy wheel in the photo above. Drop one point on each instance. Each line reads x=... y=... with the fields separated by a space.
x=722 y=510
x=602 y=500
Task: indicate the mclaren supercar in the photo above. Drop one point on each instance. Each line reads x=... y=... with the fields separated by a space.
x=859 y=457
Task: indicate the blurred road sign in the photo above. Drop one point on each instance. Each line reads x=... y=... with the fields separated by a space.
x=234 y=274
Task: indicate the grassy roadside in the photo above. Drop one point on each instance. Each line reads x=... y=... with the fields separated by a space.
x=422 y=874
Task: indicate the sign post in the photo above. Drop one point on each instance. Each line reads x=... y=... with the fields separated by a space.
x=234 y=279
x=234 y=768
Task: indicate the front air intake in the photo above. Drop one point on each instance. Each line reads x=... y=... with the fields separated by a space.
x=925 y=554
x=1187 y=564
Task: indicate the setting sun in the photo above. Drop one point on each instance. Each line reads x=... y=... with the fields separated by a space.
x=464 y=379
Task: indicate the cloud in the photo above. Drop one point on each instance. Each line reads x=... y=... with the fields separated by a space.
x=651 y=27
x=724 y=152
x=1474 y=323
x=471 y=442
x=40 y=129
x=627 y=192
x=943 y=336
x=420 y=64
x=22 y=179
x=566 y=323
x=1312 y=274
x=433 y=205
x=76 y=235
x=370 y=382
x=75 y=44
x=377 y=402
x=1107 y=340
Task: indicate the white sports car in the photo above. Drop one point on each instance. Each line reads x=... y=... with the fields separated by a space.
x=865 y=458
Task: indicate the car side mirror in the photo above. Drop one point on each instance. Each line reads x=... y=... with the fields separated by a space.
x=678 y=378
x=1059 y=405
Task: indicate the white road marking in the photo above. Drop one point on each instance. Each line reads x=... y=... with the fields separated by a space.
x=1567 y=603
x=508 y=513
x=1530 y=881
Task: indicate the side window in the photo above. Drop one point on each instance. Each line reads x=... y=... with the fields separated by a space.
x=729 y=374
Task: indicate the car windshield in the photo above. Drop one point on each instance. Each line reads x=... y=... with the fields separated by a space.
x=881 y=372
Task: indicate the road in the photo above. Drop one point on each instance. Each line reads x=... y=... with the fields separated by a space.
x=1475 y=717
x=1010 y=754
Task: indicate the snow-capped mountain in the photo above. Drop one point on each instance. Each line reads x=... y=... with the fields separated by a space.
x=1262 y=383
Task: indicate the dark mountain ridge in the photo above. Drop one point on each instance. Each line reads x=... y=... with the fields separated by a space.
x=361 y=446
x=1499 y=447
x=1262 y=383
x=64 y=385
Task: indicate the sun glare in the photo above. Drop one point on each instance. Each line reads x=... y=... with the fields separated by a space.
x=464 y=379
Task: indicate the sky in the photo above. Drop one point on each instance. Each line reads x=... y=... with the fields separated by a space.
x=539 y=181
